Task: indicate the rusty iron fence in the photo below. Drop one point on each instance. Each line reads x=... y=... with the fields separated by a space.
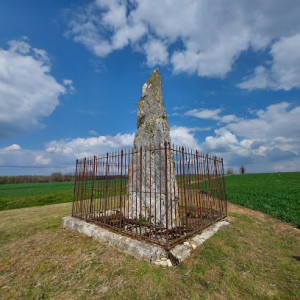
x=160 y=194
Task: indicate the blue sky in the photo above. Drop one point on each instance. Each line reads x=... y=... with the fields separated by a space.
x=71 y=74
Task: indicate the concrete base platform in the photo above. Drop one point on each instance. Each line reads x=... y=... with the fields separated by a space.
x=140 y=249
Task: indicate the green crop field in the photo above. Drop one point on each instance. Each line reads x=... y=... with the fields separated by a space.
x=276 y=194
x=34 y=194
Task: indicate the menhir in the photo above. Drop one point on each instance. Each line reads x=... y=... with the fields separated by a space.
x=152 y=185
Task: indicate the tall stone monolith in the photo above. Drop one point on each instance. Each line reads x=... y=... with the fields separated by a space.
x=151 y=179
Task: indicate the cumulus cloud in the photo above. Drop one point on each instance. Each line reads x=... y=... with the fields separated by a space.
x=82 y=147
x=12 y=147
x=277 y=120
x=284 y=71
x=184 y=136
x=69 y=84
x=58 y=155
x=197 y=37
x=28 y=91
x=18 y=161
x=224 y=141
x=204 y=113
x=213 y=114
x=103 y=26
x=40 y=159
x=156 y=53
x=266 y=142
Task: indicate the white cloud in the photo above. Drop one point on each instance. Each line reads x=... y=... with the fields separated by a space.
x=24 y=162
x=59 y=156
x=156 y=52
x=28 y=91
x=115 y=15
x=93 y=132
x=175 y=114
x=69 y=84
x=93 y=24
x=82 y=147
x=270 y=141
x=213 y=114
x=204 y=113
x=184 y=136
x=284 y=72
x=228 y=118
x=277 y=120
x=41 y=160
x=19 y=46
x=201 y=37
x=179 y=107
x=224 y=141
x=13 y=147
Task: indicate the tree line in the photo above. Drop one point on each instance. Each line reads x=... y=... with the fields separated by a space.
x=54 y=177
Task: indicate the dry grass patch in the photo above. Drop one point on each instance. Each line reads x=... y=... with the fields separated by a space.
x=251 y=258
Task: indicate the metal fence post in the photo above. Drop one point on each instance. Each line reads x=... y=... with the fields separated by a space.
x=83 y=187
x=184 y=188
x=167 y=200
x=92 y=192
x=121 y=191
x=106 y=184
x=141 y=176
x=225 y=199
x=75 y=185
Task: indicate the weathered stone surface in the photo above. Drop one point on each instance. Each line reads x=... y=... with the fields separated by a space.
x=182 y=251
x=138 y=249
x=152 y=126
x=150 y=183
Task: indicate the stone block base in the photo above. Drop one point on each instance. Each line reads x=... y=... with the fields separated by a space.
x=139 y=249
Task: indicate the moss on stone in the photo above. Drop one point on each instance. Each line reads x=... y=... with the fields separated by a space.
x=155 y=81
x=150 y=125
x=141 y=104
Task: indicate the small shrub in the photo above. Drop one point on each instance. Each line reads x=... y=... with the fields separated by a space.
x=242 y=170
x=230 y=171
x=56 y=177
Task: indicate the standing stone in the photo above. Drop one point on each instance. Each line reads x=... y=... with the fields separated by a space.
x=147 y=175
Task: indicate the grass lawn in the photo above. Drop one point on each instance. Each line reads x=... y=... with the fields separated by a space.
x=255 y=257
x=276 y=194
